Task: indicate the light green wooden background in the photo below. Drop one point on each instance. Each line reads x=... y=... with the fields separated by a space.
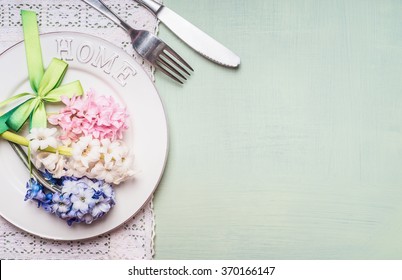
x=298 y=153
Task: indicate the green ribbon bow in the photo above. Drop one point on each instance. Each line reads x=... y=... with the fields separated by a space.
x=45 y=84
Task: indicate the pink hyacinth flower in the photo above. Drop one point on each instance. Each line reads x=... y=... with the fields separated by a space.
x=98 y=116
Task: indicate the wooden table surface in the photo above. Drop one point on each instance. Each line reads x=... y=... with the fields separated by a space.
x=298 y=153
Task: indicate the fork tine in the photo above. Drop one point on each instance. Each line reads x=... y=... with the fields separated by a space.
x=171 y=60
x=171 y=68
x=178 y=57
x=149 y=46
x=163 y=70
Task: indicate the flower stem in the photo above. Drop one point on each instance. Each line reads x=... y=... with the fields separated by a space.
x=63 y=150
x=20 y=140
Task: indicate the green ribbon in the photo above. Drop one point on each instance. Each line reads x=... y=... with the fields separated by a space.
x=45 y=84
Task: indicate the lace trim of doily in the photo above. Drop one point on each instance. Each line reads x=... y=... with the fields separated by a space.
x=135 y=238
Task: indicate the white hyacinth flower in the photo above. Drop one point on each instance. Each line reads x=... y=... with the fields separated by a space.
x=87 y=150
x=42 y=138
x=123 y=177
x=124 y=168
x=111 y=151
x=54 y=163
x=105 y=172
x=59 y=170
x=125 y=163
x=76 y=169
x=45 y=160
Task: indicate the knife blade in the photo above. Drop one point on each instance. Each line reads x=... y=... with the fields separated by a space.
x=192 y=36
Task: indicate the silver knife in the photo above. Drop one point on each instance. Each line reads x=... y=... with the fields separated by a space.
x=192 y=36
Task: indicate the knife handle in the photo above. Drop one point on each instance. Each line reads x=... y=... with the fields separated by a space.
x=151 y=5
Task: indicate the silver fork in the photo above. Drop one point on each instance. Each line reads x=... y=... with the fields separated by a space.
x=149 y=46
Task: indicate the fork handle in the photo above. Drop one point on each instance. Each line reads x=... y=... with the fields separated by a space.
x=101 y=7
x=151 y=5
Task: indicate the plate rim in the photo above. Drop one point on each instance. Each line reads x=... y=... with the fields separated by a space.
x=150 y=197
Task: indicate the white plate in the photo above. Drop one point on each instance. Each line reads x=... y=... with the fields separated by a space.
x=147 y=136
